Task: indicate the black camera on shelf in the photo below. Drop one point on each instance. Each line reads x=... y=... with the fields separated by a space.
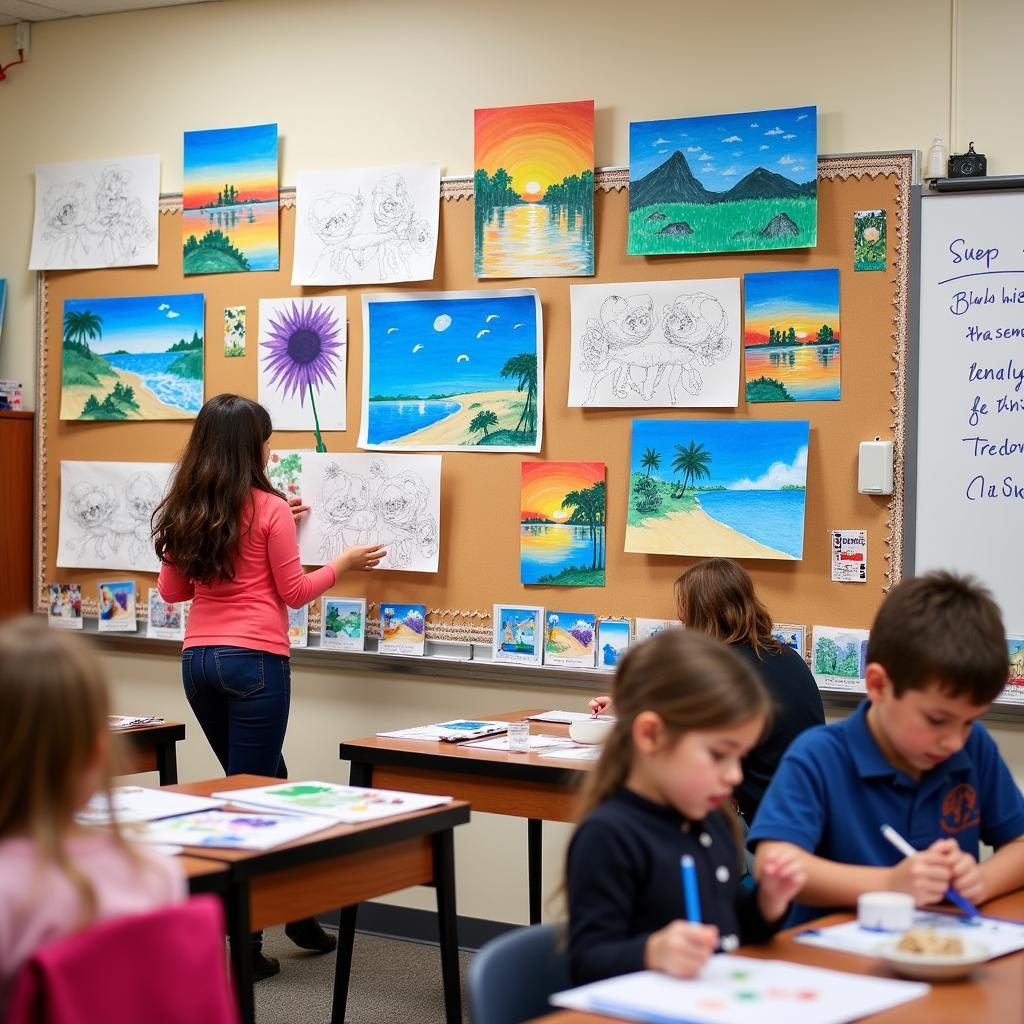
x=968 y=165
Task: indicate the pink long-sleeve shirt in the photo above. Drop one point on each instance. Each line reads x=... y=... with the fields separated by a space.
x=252 y=609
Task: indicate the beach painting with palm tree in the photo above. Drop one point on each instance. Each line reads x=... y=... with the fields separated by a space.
x=137 y=358
x=453 y=371
x=734 y=489
x=562 y=524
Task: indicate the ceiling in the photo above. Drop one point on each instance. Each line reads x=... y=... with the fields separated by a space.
x=12 y=11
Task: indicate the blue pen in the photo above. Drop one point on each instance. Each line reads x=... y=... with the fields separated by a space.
x=908 y=851
x=690 y=892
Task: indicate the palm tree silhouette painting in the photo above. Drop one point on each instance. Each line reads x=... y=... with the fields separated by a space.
x=650 y=460
x=80 y=329
x=482 y=420
x=693 y=462
x=589 y=505
x=523 y=368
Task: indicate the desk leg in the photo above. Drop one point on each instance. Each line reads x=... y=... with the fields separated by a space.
x=343 y=964
x=167 y=763
x=444 y=880
x=534 y=866
x=240 y=940
x=360 y=773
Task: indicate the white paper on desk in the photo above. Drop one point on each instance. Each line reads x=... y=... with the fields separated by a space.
x=135 y=803
x=350 y=805
x=742 y=990
x=233 y=830
x=128 y=722
x=536 y=743
x=591 y=752
x=999 y=937
x=561 y=717
x=456 y=731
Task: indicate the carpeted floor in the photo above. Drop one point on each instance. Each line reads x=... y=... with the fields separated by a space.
x=393 y=982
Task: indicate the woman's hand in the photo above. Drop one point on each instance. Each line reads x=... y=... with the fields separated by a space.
x=298 y=509
x=368 y=557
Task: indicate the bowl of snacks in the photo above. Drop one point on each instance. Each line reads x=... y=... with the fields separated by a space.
x=931 y=954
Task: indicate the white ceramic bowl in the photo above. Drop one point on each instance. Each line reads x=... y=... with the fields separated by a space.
x=927 y=967
x=591 y=730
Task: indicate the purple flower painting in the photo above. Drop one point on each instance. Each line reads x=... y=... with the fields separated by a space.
x=303 y=351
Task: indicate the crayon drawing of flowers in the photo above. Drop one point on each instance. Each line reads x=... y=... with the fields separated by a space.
x=304 y=349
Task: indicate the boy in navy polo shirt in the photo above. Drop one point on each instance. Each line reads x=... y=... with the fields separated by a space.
x=911 y=756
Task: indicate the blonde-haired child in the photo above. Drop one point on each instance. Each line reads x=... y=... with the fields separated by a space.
x=56 y=876
x=688 y=709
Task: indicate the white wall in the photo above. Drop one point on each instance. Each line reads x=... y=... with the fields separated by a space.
x=366 y=82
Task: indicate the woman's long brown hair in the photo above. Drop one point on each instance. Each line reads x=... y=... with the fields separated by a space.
x=692 y=682
x=53 y=725
x=197 y=527
x=716 y=596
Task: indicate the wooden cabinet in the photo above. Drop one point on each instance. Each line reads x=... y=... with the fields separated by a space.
x=17 y=431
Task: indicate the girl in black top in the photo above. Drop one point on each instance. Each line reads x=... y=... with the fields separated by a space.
x=688 y=710
x=716 y=596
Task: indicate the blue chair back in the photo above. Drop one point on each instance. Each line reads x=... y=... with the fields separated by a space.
x=511 y=978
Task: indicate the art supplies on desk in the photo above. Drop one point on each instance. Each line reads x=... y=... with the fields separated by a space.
x=742 y=990
x=998 y=936
x=536 y=743
x=135 y=803
x=350 y=805
x=590 y=752
x=458 y=730
x=234 y=830
x=128 y=722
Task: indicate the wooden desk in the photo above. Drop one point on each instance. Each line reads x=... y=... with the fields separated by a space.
x=993 y=993
x=521 y=785
x=339 y=867
x=151 y=748
x=206 y=876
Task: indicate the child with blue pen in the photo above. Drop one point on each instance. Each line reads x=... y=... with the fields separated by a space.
x=900 y=794
x=654 y=867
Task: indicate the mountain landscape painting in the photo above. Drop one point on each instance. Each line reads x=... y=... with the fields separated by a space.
x=724 y=183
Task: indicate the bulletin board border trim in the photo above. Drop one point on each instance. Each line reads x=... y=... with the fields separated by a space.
x=900 y=165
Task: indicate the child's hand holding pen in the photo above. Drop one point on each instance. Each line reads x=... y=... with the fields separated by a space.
x=681 y=948
x=600 y=706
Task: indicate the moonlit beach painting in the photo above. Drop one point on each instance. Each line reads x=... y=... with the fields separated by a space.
x=449 y=371
x=733 y=489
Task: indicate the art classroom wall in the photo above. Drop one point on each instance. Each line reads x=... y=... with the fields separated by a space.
x=889 y=91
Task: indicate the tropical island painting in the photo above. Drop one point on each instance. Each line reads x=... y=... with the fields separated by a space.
x=138 y=358
x=724 y=183
x=533 y=190
x=230 y=200
x=791 y=336
x=451 y=371
x=735 y=489
x=561 y=524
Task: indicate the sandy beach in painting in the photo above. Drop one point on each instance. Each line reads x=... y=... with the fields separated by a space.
x=695 y=533
x=74 y=397
x=454 y=429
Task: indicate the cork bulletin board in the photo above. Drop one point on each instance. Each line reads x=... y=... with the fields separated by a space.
x=479 y=562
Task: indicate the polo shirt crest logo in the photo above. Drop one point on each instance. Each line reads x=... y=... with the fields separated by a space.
x=960 y=809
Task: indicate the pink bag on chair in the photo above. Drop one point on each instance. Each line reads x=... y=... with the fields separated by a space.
x=165 y=967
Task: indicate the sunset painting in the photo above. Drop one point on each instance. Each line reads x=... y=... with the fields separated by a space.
x=791 y=336
x=562 y=524
x=229 y=215
x=533 y=190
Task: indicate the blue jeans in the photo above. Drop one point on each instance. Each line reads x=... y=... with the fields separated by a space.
x=241 y=699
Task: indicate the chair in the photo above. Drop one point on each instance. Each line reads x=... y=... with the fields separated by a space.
x=165 y=967
x=511 y=978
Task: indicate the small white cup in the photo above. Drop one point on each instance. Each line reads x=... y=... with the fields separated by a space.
x=885 y=911
x=519 y=737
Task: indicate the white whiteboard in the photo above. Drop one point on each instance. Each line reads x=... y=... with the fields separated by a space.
x=970 y=435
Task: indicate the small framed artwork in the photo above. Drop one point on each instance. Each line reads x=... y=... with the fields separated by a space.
x=646 y=628
x=164 y=621
x=402 y=628
x=298 y=626
x=518 y=634
x=790 y=635
x=839 y=657
x=1013 y=692
x=570 y=639
x=116 y=602
x=612 y=642
x=342 y=623
x=65 y=609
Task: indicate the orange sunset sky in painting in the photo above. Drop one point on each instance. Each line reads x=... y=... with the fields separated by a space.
x=545 y=484
x=539 y=144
